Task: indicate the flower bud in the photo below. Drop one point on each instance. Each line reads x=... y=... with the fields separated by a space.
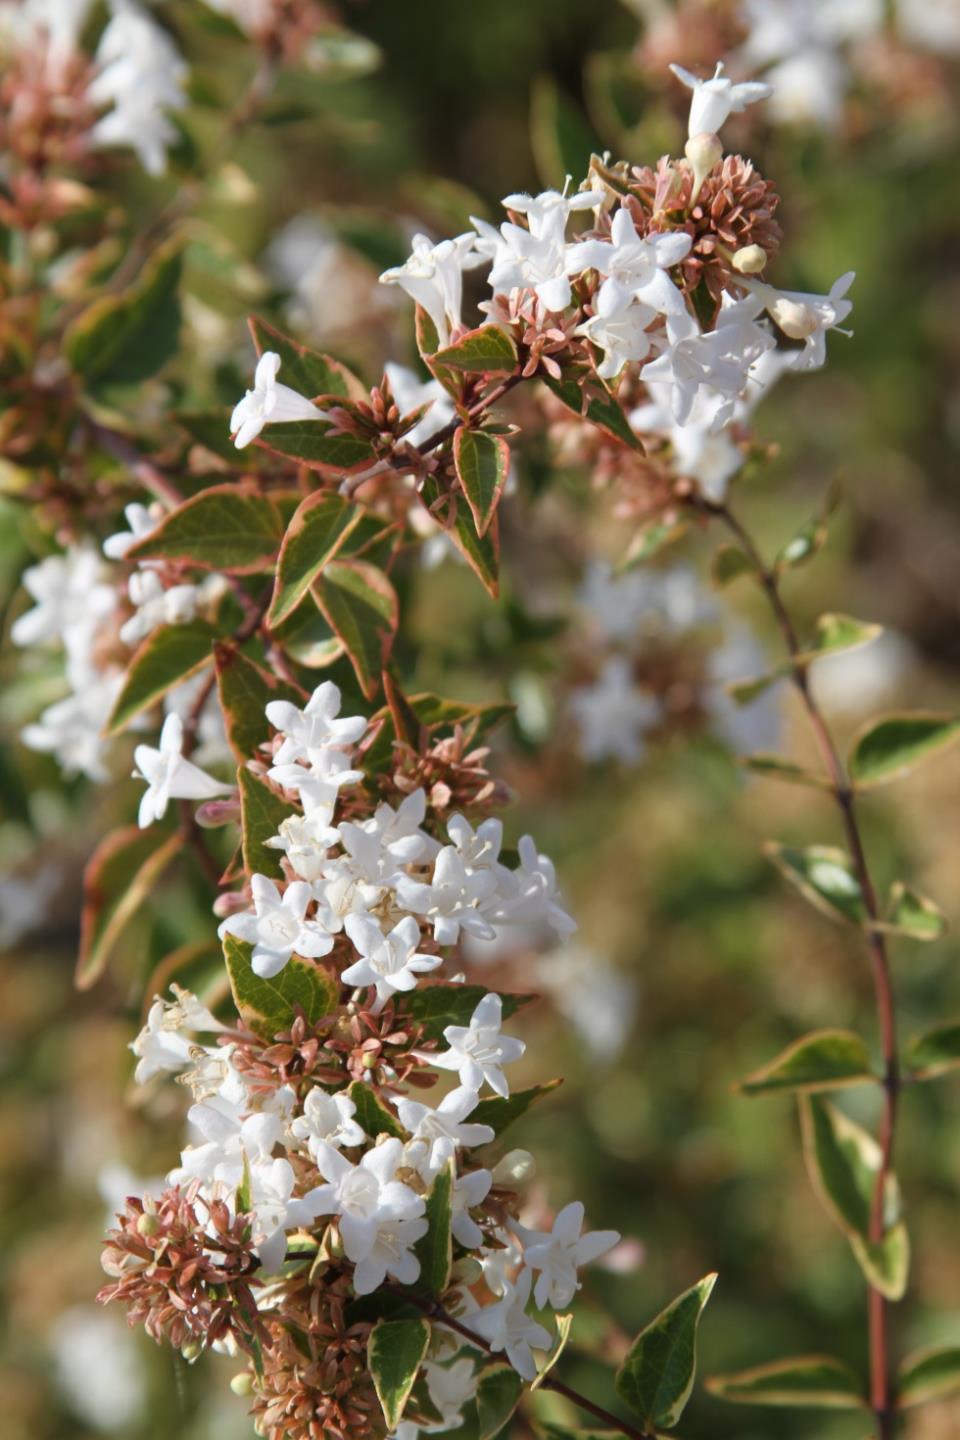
x=214 y=813
x=703 y=152
x=467 y=1271
x=795 y=319
x=749 y=259
x=242 y=1383
x=229 y=903
x=191 y=1351
x=148 y=1225
x=515 y=1169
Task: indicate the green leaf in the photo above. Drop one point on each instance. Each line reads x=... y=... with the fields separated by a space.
x=744 y=692
x=227 y=527
x=395 y=1353
x=434 y=1007
x=889 y=747
x=499 y=1389
x=126 y=338
x=483 y=464
x=318 y=445
x=824 y=875
x=649 y=541
x=120 y=876
x=913 y=915
x=307 y=638
x=930 y=1374
x=839 y=632
x=261 y=813
x=303 y=369
x=245 y=690
x=601 y=409
x=498 y=1112
x=271 y=1006
x=435 y=1249
x=813 y=1381
x=165 y=658
x=729 y=563
x=934 y=1053
x=481 y=552
x=360 y=606
x=823 y=1060
x=843 y=1161
x=564 y=1325
x=373 y=1117
x=319 y=528
x=812 y=537
x=657 y=1376
x=774 y=767
x=488 y=350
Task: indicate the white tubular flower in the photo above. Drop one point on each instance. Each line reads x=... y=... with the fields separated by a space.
x=379 y=1216
x=536 y=896
x=506 y=1325
x=524 y=260
x=318 y=726
x=478 y=1052
x=306 y=841
x=156 y=606
x=693 y=363
x=169 y=776
x=613 y=714
x=621 y=333
x=433 y=278
x=635 y=267
x=450 y=1387
x=453 y=899
x=410 y=393
x=469 y=1190
x=328 y=1119
x=164 y=1045
x=142 y=520
x=716 y=99
x=70 y=596
x=318 y=786
x=806 y=317
x=72 y=729
x=559 y=1253
x=388 y=962
x=550 y=211
x=277 y=926
x=268 y=403
x=388 y=839
x=478 y=848
x=435 y=1134
x=141 y=75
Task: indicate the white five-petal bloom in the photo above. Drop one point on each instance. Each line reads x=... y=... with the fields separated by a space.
x=433 y=278
x=469 y=1190
x=388 y=962
x=635 y=267
x=156 y=606
x=141 y=75
x=169 y=775
x=435 y=1134
x=142 y=519
x=306 y=840
x=269 y=402
x=806 y=317
x=453 y=899
x=277 y=926
x=380 y=1218
x=559 y=1253
x=478 y=1051
x=613 y=714
x=716 y=99
x=506 y=1325
x=318 y=726
x=70 y=595
x=165 y=1044
x=328 y=1119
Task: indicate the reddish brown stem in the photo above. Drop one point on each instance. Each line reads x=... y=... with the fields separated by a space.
x=881 y=1393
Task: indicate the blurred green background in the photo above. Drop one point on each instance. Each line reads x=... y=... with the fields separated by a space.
x=719 y=966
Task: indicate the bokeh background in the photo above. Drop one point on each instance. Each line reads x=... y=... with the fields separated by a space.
x=693 y=964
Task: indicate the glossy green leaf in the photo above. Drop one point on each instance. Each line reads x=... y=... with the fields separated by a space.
x=126 y=338
x=271 y=1006
x=656 y=1378
x=261 y=812
x=823 y=1060
x=316 y=533
x=245 y=690
x=499 y=1113
x=483 y=464
x=395 y=1353
x=163 y=659
x=481 y=552
x=891 y=746
x=936 y=1052
x=913 y=915
x=373 y=1116
x=824 y=875
x=434 y=1007
x=227 y=527
x=307 y=371
x=930 y=1374
x=435 y=1249
x=805 y=1381
x=729 y=563
x=318 y=445
x=840 y=632
x=487 y=350
x=499 y=1389
x=307 y=638
x=360 y=606
x=600 y=408
x=120 y=875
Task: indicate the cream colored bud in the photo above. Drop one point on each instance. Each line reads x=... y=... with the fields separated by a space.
x=467 y=1271
x=242 y=1384
x=148 y=1225
x=515 y=1169
x=749 y=259
x=795 y=319
x=703 y=152
x=191 y=1351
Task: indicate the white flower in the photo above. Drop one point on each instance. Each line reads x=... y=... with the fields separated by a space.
x=506 y=1325
x=433 y=278
x=390 y=838
x=267 y=403
x=163 y=1047
x=306 y=841
x=251 y=15
x=317 y=787
x=411 y=393
x=469 y=1190
x=716 y=99
x=621 y=333
x=318 y=726
x=72 y=729
x=613 y=714
x=156 y=606
x=478 y=1051
x=806 y=317
x=141 y=75
x=100 y=1369
x=452 y=900
x=48 y=27
x=169 y=776
x=559 y=1253
x=480 y=847
x=70 y=596
x=388 y=962
x=435 y=1134
x=328 y=1118
x=379 y=1216
x=277 y=926
x=551 y=209
x=142 y=519
x=450 y=1387
x=524 y=260
x=635 y=266
x=695 y=362
x=535 y=896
